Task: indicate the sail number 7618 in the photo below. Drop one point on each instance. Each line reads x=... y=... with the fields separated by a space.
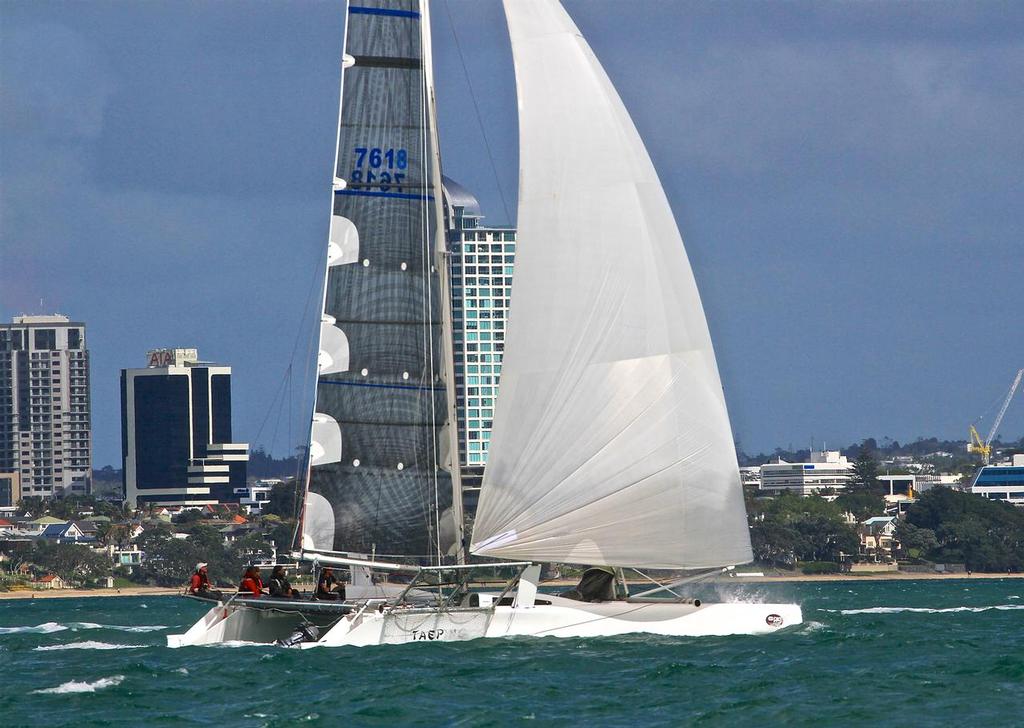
x=375 y=167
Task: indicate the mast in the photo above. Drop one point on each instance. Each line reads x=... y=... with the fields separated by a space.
x=441 y=264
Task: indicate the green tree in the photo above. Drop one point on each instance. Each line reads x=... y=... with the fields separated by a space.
x=284 y=500
x=862 y=504
x=865 y=470
x=280 y=531
x=914 y=540
x=774 y=543
x=249 y=549
x=985 y=535
x=170 y=562
x=33 y=505
x=788 y=528
x=74 y=563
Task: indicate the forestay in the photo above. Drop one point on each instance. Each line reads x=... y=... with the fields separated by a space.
x=380 y=480
x=611 y=441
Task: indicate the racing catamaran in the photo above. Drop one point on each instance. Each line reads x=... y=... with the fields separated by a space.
x=611 y=443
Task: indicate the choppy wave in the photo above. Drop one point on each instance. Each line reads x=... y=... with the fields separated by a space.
x=87 y=645
x=118 y=627
x=50 y=627
x=239 y=643
x=73 y=686
x=925 y=610
x=45 y=628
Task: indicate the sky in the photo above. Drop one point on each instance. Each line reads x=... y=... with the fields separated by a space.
x=848 y=178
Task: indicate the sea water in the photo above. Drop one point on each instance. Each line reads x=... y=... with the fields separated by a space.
x=915 y=652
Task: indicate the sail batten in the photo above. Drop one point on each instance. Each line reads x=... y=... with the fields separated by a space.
x=611 y=441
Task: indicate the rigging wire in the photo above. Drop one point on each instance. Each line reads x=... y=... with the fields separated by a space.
x=479 y=118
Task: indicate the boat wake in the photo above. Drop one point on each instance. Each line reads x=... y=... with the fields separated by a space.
x=74 y=686
x=87 y=645
x=926 y=610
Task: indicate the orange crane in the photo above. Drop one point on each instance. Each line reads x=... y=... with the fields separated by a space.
x=984 y=447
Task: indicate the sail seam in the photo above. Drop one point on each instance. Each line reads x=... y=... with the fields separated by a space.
x=363 y=10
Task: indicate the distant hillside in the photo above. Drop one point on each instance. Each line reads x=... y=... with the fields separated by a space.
x=887 y=449
x=261 y=465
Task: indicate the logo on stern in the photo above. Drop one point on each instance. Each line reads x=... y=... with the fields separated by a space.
x=773 y=620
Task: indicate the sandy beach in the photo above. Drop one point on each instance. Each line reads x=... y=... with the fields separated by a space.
x=132 y=591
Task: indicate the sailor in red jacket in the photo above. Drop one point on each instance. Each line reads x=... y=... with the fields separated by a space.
x=200 y=584
x=252 y=585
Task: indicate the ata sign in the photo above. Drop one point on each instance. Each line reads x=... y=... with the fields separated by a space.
x=171 y=357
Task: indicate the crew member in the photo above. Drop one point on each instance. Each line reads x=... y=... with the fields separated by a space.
x=200 y=584
x=327 y=587
x=252 y=585
x=280 y=587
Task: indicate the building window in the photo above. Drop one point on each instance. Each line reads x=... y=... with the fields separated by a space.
x=46 y=339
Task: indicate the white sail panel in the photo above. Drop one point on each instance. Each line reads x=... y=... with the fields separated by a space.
x=611 y=440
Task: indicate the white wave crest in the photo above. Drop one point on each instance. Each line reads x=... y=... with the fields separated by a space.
x=927 y=610
x=118 y=627
x=74 y=686
x=238 y=643
x=87 y=645
x=45 y=628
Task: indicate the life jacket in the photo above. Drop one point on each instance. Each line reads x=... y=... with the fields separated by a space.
x=200 y=582
x=253 y=585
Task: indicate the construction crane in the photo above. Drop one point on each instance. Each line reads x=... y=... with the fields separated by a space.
x=984 y=447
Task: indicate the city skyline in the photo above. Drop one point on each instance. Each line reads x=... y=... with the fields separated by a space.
x=846 y=179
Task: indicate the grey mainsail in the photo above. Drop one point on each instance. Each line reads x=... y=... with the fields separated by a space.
x=380 y=480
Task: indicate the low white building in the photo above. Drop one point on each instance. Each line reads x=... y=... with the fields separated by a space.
x=255 y=496
x=826 y=469
x=1001 y=482
x=750 y=476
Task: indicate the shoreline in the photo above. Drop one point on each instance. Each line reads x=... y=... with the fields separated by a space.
x=160 y=591
x=130 y=591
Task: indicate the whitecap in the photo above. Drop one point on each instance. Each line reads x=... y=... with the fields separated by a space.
x=73 y=686
x=87 y=645
x=45 y=628
x=238 y=643
x=928 y=610
x=118 y=627
x=181 y=670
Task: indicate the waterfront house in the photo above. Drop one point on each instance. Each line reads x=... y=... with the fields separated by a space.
x=51 y=581
x=64 y=533
x=877 y=537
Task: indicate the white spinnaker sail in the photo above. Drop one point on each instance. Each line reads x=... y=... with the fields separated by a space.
x=611 y=440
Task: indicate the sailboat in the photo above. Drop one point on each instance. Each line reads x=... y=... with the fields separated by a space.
x=611 y=444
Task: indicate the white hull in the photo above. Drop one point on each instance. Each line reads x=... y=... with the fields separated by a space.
x=560 y=618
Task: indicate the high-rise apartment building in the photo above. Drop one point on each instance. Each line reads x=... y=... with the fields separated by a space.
x=176 y=432
x=45 y=430
x=481 y=263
